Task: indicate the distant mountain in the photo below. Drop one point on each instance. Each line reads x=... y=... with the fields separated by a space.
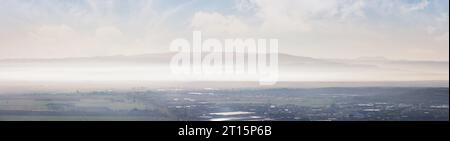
x=292 y=68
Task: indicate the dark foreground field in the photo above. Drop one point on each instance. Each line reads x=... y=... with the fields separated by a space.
x=305 y=104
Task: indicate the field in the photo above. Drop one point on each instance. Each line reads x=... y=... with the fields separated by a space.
x=305 y=104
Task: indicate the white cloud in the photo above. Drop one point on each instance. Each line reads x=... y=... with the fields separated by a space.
x=354 y=9
x=304 y=15
x=344 y=28
x=415 y=7
x=53 y=33
x=110 y=32
x=218 y=23
x=439 y=28
x=244 y=5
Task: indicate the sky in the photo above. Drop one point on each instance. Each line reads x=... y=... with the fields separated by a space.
x=346 y=29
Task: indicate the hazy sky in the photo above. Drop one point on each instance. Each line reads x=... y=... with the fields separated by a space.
x=396 y=29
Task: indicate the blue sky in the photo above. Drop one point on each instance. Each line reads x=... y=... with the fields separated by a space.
x=396 y=29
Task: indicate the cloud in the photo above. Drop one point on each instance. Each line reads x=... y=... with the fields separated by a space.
x=53 y=33
x=415 y=7
x=213 y=22
x=439 y=28
x=354 y=9
x=42 y=29
x=108 y=32
x=302 y=15
x=325 y=28
x=336 y=28
x=244 y=5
